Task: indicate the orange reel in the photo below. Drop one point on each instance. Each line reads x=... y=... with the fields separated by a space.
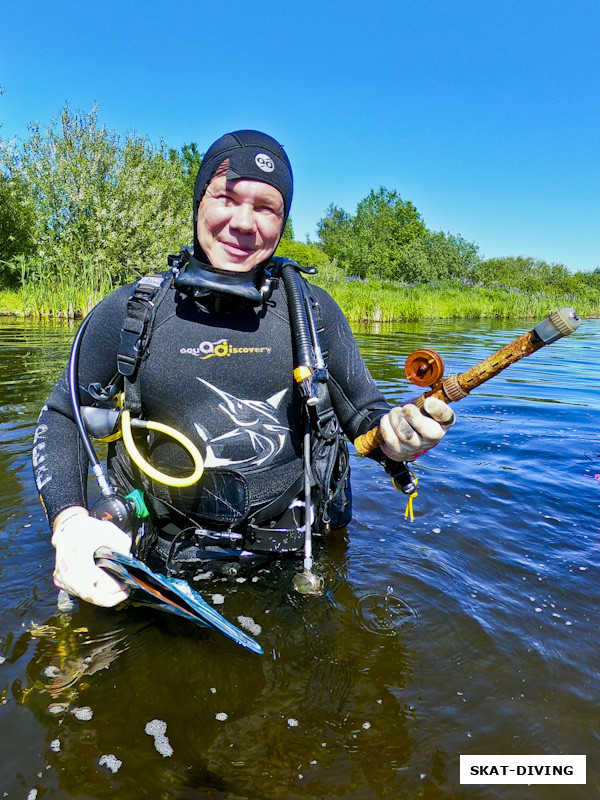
x=424 y=368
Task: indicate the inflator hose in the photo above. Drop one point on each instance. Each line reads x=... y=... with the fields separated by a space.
x=302 y=340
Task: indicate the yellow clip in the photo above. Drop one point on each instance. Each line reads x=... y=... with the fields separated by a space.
x=409 y=503
x=110 y=438
x=302 y=372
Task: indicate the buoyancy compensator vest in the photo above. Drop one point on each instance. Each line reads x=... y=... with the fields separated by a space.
x=279 y=525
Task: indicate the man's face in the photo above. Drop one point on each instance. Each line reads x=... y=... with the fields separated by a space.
x=239 y=223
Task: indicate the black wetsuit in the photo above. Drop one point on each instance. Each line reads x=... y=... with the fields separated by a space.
x=225 y=381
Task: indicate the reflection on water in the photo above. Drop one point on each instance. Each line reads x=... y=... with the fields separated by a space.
x=468 y=630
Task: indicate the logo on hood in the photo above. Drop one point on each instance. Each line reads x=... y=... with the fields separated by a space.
x=264 y=162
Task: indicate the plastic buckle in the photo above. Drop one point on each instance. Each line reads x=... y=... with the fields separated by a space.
x=128 y=355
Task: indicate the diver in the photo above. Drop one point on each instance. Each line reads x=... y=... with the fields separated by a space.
x=213 y=349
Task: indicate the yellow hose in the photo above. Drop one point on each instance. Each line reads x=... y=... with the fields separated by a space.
x=146 y=467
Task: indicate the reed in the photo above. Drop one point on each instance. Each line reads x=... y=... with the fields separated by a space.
x=48 y=289
x=384 y=302
x=71 y=296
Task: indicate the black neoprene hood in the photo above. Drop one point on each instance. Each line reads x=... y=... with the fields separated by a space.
x=252 y=155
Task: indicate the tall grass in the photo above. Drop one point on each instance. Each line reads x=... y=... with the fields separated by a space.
x=384 y=302
x=49 y=289
x=64 y=296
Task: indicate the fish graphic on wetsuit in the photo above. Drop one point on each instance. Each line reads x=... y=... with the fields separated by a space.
x=255 y=423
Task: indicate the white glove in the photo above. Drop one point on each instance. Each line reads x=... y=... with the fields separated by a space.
x=408 y=432
x=76 y=538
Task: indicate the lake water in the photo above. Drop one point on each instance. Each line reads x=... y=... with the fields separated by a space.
x=471 y=630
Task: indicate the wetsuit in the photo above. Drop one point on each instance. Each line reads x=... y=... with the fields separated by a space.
x=222 y=377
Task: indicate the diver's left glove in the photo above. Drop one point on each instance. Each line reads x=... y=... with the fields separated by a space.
x=76 y=538
x=408 y=431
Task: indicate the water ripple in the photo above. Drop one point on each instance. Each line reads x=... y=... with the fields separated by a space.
x=386 y=614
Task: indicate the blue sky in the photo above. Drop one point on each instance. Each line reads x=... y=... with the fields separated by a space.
x=486 y=115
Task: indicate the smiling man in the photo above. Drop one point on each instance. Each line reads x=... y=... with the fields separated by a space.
x=239 y=222
x=209 y=350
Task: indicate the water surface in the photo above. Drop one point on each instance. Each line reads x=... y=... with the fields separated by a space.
x=471 y=629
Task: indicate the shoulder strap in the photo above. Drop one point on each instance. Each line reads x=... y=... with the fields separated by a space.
x=136 y=332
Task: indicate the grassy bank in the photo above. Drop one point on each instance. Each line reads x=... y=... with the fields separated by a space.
x=47 y=304
x=360 y=301
x=381 y=302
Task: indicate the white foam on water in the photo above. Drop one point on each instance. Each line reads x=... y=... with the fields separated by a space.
x=292 y=723
x=83 y=713
x=57 y=708
x=249 y=624
x=157 y=728
x=217 y=599
x=111 y=761
x=221 y=716
x=55 y=745
x=202 y=576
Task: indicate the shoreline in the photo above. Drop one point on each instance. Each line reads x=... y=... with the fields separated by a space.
x=365 y=302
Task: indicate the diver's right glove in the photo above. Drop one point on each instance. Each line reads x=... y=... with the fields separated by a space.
x=408 y=432
x=76 y=538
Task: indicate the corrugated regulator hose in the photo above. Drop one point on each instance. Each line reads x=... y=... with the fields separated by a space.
x=302 y=341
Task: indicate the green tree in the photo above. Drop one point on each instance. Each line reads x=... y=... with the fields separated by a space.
x=288 y=231
x=107 y=208
x=306 y=254
x=189 y=159
x=17 y=223
x=388 y=239
x=521 y=272
x=592 y=278
x=335 y=234
x=383 y=227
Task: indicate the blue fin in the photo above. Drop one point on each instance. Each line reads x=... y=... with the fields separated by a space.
x=171 y=594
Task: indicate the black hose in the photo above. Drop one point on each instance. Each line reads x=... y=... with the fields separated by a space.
x=74 y=391
x=301 y=331
x=73 y=380
x=314 y=335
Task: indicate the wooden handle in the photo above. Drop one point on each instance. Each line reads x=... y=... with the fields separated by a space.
x=559 y=323
x=458 y=386
x=369 y=441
